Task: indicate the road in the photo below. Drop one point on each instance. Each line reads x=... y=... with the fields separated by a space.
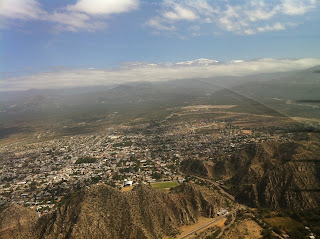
x=208 y=224
x=218 y=218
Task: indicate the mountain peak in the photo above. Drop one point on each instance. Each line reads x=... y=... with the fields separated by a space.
x=236 y=61
x=198 y=62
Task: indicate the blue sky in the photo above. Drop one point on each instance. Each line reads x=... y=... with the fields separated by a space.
x=40 y=36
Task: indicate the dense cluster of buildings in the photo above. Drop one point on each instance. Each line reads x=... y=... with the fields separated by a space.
x=39 y=174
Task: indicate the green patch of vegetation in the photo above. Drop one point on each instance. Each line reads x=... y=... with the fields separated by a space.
x=310 y=218
x=122 y=144
x=215 y=234
x=165 y=185
x=96 y=179
x=86 y=160
x=194 y=166
x=267 y=234
x=156 y=175
x=229 y=219
x=287 y=225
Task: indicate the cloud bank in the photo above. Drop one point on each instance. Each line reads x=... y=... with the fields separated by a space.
x=132 y=72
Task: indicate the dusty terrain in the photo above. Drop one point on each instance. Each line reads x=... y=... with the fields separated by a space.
x=101 y=211
x=246 y=229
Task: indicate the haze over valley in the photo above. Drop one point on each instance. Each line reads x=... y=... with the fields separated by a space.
x=160 y=119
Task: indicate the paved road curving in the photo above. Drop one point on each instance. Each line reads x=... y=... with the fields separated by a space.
x=218 y=218
x=208 y=224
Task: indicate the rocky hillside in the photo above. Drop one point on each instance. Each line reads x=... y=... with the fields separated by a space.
x=104 y=212
x=193 y=167
x=17 y=222
x=276 y=175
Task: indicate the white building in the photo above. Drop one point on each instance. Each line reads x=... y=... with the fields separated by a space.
x=127 y=183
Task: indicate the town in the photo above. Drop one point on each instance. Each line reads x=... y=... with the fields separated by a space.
x=39 y=174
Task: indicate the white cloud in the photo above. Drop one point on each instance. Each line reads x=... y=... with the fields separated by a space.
x=84 y=15
x=276 y=27
x=172 y=12
x=259 y=10
x=241 y=17
x=180 y=13
x=249 y=32
x=152 y=72
x=104 y=7
x=21 y=9
x=75 y=21
x=159 y=25
x=88 y=14
x=256 y=16
x=298 y=7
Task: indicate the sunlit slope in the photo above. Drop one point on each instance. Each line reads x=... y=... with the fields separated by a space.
x=103 y=212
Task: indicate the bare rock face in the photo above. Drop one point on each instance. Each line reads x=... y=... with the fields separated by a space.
x=276 y=175
x=293 y=185
x=194 y=166
x=103 y=212
x=17 y=222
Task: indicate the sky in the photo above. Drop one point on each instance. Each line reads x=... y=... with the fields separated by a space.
x=61 y=43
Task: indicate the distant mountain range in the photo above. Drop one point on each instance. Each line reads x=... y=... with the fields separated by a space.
x=197 y=62
x=290 y=93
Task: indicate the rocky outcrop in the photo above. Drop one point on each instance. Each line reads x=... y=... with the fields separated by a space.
x=104 y=212
x=193 y=166
x=292 y=185
x=276 y=175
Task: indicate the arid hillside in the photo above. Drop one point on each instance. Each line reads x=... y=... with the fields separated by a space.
x=103 y=212
x=275 y=175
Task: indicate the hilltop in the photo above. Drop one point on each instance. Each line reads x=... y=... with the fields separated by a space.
x=101 y=211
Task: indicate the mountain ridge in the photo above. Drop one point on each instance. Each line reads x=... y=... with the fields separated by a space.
x=101 y=211
x=274 y=175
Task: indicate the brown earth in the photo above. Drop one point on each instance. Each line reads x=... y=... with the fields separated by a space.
x=273 y=175
x=246 y=229
x=103 y=212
